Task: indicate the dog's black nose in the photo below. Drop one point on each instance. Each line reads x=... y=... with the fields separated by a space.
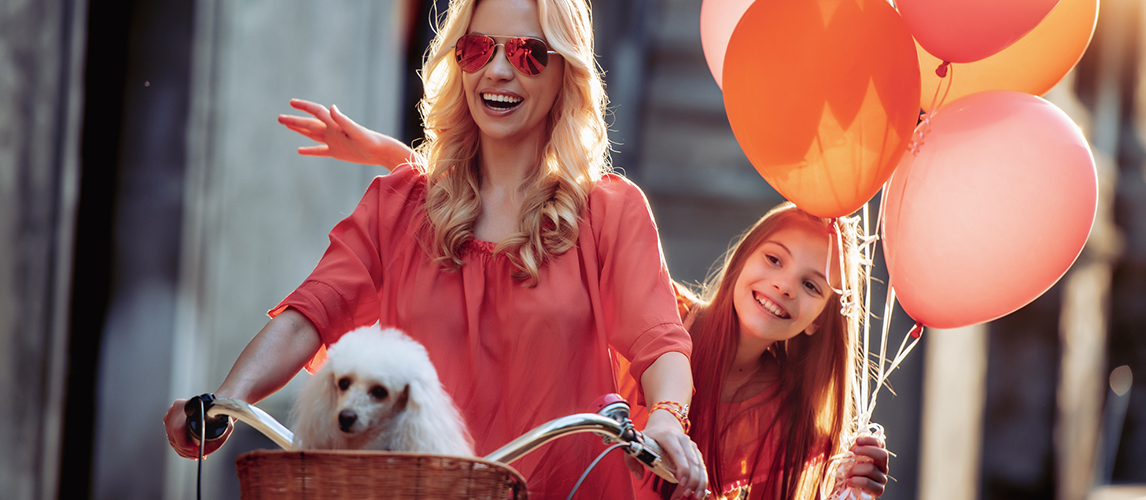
x=346 y=418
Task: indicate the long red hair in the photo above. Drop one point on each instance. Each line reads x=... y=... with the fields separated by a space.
x=813 y=396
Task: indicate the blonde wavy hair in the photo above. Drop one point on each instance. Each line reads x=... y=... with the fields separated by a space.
x=575 y=157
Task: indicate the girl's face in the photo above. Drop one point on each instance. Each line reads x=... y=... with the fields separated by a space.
x=782 y=288
x=506 y=104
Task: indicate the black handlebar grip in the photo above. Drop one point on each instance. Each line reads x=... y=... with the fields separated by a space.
x=215 y=426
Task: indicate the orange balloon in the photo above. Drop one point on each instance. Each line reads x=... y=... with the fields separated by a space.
x=1032 y=65
x=822 y=97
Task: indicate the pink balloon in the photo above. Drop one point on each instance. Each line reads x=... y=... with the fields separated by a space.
x=962 y=31
x=992 y=211
x=718 y=19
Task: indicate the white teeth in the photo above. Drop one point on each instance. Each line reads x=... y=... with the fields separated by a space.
x=769 y=305
x=501 y=98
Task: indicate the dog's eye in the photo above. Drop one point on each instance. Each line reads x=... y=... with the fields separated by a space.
x=379 y=392
x=344 y=383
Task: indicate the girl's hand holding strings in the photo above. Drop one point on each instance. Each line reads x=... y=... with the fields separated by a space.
x=870 y=470
x=343 y=139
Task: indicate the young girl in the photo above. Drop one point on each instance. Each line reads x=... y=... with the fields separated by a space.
x=774 y=359
x=506 y=249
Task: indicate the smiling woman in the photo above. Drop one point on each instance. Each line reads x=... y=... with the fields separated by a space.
x=505 y=248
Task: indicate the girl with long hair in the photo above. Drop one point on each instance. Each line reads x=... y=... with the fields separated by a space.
x=774 y=359
x=507 y=248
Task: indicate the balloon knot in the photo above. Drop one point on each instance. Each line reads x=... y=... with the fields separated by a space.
x=941 y=71
x=917 y=330
x=920 y=133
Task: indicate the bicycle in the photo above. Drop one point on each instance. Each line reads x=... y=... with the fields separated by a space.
x=344 y=474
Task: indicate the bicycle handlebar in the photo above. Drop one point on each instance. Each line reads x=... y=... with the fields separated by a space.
x=612 y=422
x=250 y=414
x=645 y=451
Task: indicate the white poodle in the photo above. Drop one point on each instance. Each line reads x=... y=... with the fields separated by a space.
x=379 y=391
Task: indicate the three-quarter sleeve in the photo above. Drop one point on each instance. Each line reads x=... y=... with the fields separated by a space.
x=341 y=293
x=637 y=298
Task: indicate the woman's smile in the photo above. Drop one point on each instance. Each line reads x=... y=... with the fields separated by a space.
x=501 y=101
x=507 y=105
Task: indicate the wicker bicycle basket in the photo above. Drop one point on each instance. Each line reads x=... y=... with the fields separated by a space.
x=344 y=475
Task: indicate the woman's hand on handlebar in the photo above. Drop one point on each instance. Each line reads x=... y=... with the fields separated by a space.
x=175 y=421
x=682 y=454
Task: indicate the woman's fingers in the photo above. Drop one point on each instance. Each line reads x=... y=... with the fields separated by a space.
x=701 y=490
x=692 y=477
x=347 y=125
x=175 y=423
x=312 y=108
x=300 y=123
x=634 y=466
x=319 y=150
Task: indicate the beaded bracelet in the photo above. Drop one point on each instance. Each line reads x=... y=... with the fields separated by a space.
x=677 y=410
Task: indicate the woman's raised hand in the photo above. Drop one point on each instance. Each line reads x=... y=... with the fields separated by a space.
x=343 y=139
x=870 y=470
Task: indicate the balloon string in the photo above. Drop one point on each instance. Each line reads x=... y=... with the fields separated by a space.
x=869 y=254
x=946 y=75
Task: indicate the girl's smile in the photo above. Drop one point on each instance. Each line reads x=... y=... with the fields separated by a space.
x=782 y=290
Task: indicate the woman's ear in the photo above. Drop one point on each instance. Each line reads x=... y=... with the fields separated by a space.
x=812 y=328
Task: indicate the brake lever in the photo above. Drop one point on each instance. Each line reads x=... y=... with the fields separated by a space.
x=646 y=451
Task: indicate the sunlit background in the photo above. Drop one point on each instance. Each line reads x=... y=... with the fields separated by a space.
x=152 y=210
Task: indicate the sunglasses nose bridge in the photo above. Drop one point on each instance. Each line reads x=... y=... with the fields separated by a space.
x=499 y=59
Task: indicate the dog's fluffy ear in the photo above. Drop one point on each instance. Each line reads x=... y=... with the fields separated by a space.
x=402 y=400
x=434 y=424
x=313 y=410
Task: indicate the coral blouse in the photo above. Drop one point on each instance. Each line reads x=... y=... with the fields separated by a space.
x=512 y=357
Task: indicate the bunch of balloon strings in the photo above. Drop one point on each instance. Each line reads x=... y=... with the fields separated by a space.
x=835 y=485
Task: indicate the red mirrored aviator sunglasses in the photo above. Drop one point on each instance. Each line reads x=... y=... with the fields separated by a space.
x=526 y=54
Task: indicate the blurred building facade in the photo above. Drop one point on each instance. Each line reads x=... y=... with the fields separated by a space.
x=153 y=211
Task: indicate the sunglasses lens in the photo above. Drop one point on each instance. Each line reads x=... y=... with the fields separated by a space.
x=528 y=55
x=473 y=51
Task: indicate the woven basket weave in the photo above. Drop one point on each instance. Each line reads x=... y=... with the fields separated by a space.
x=344 y=475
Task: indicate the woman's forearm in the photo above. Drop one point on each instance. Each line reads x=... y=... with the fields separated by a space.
x=669 y=378
x=272 y=358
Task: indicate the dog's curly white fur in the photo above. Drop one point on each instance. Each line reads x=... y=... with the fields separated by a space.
x=379 y=391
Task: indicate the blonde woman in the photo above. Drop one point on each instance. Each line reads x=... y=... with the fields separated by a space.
x=507 y=249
